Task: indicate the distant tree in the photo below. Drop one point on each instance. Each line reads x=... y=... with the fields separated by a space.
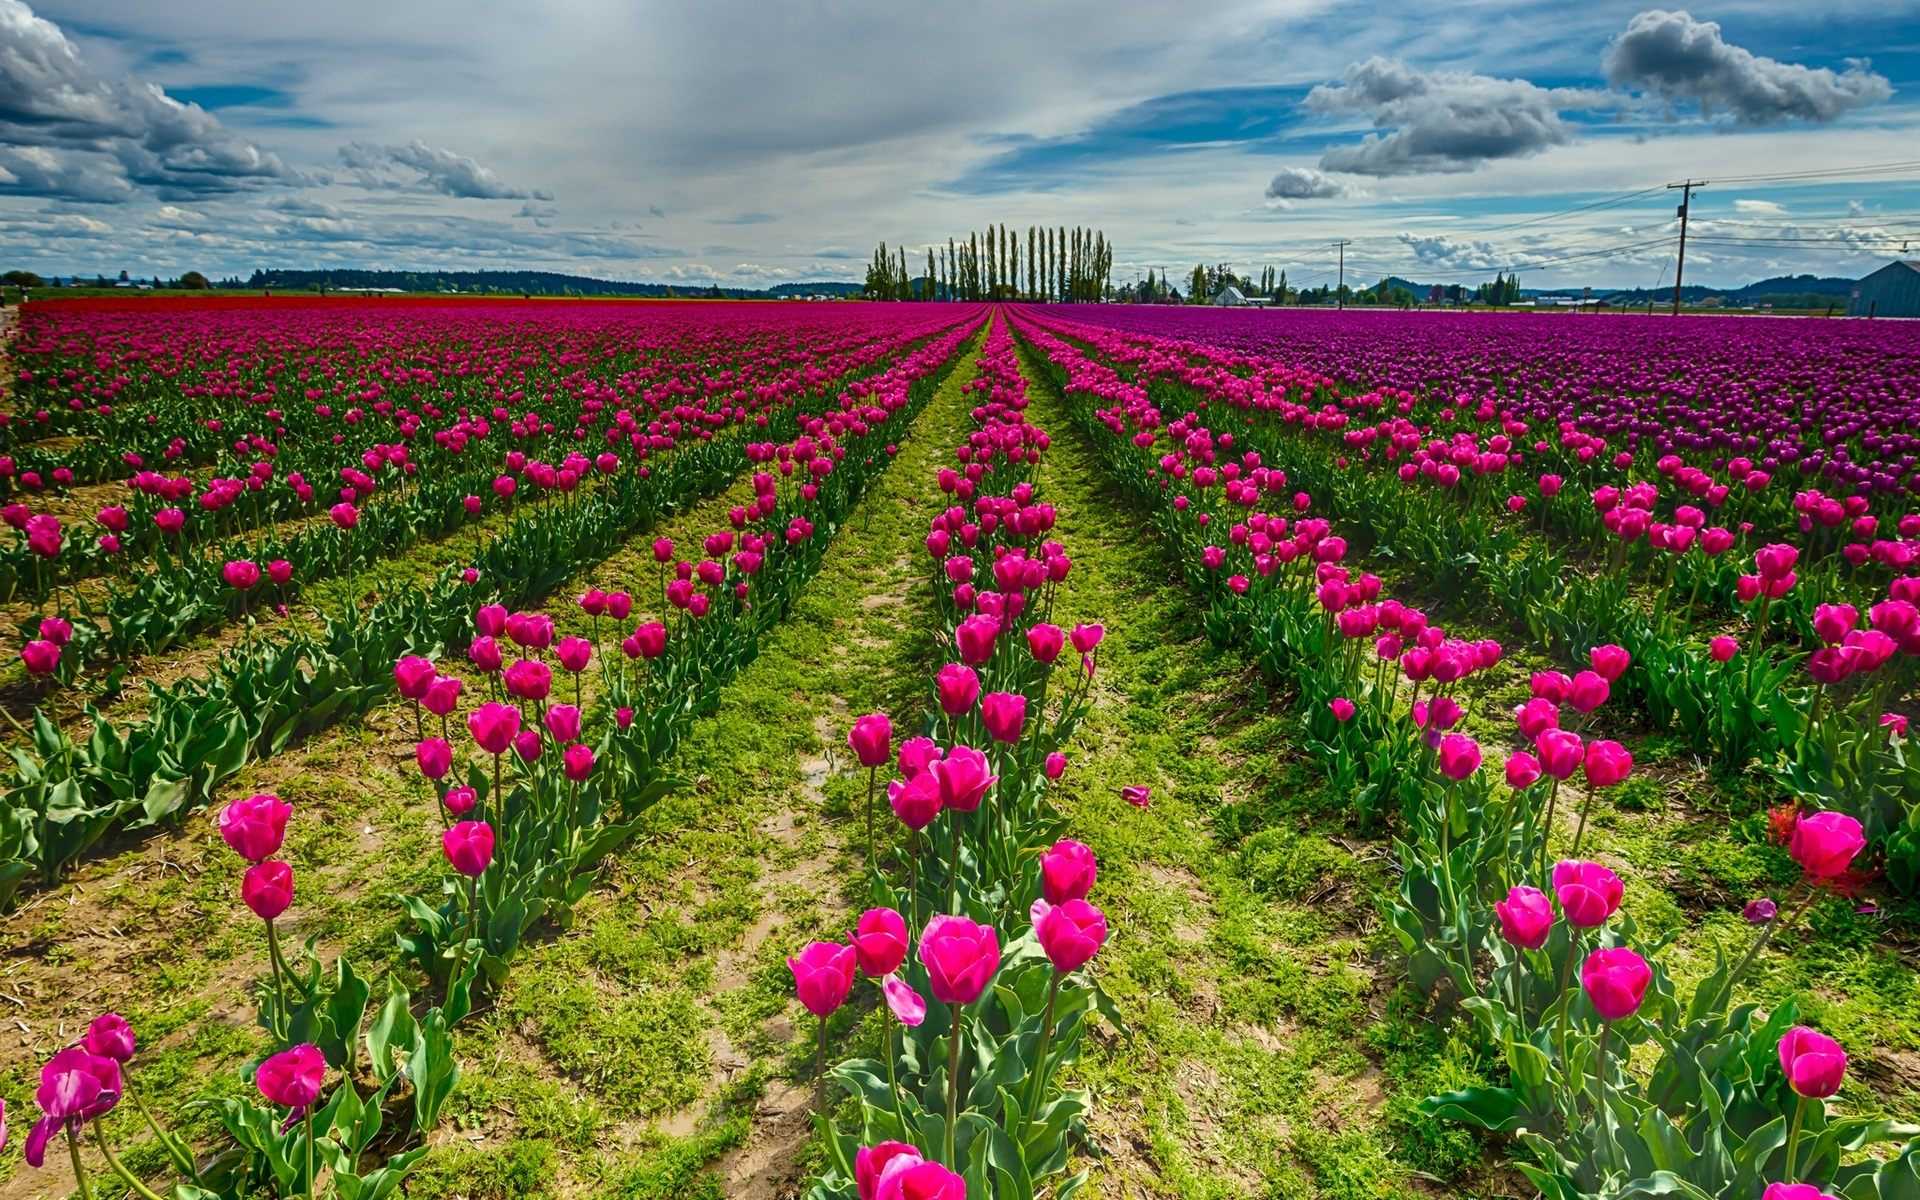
x=1031 y=276
x=194 y=281
x=1197 y=286
x=24 y=279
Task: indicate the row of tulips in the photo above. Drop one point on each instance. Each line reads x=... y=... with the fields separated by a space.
x=549 y=788
x=1817 y=719
x=66 y=793
x=982 y=925
x=198 y=578
x=565 y=749
x=1543 y=961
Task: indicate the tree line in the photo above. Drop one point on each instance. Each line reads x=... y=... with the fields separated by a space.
x=1060 y=266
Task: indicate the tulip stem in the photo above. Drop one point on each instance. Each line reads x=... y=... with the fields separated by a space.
x=1760 y=943
x=1566 y=999
x=1546 y=827
x=132 y=1181
x=181 y=1156
x=953 y=1086
x=1793 y=1135
x=313 y=1183
x=1600 y=1087
x=279 y=988
x=460 y=955
x=79 y=1171
x=873 y=776
x=953 y=865
x=820 y=1051
x=893 y=1081
x=1580 y=831
x=1036 y=1079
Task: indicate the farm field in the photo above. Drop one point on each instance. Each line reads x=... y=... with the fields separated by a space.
x=483 y=749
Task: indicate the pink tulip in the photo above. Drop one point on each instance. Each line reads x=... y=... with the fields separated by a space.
x=1610 y=662
x=255 y=827
x=649 y=641
x=1722 y=648
x=240 y=574
x=469 y=847
x=880 y=942
x=493 y=726
x=484 y=653
x=822 y=976
x=1825 y=844
x=576 y=762
x=490 y=620
x=871 y=740
x=1588 y=692
x=1342 y=708
x=280 y=571
x=574 y=653
x=1055 y=764
x=1459 y=756
x=1775 y=561
x=267 y=888
x=41 y=657
x=1616 y=982
x=435 y=757
x=1589 y=894
x=919 y=1181
x=1523 y=770
x=292 y=1078
x=1070 y=933
x=958 y=687
x=1814 y=1063
x=1068 y=870
x=916 y=799
x=413 y=675
x=1794 y=1191
x=916 y=753
x=1004 y=714
x=563 y=722
x=960 y=957
x=1526 y=917
x=963 y=777
x=1561 y=752
x=974 y=638
x=1044 y=642
x=76 y=1086
x=529 y=679
x=110 y=1036
x=460 y=801
x=870 y=1161
x=1137 y=795
x=1607 y=763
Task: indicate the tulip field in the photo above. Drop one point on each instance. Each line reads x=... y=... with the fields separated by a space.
x=484 y=749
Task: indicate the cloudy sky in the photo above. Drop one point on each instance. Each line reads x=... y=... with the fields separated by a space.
x=755 y=141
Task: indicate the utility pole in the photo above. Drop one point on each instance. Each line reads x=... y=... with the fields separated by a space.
x=1680 y=265
x=1340 y=292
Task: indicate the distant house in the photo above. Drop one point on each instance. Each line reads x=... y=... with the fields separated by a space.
x=1229 y=297
x=1892 y=291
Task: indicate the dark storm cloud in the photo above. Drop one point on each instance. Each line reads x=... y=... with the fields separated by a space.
x=1439 y=121
x=1677 y=58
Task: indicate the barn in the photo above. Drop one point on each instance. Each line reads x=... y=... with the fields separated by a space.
x=1892 y=291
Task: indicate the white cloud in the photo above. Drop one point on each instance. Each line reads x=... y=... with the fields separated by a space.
x=417 y=166
x=1759 y=208
x=70 y=132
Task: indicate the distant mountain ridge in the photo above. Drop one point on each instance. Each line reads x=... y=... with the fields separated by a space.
x=1789 y=291
x=539 y=283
